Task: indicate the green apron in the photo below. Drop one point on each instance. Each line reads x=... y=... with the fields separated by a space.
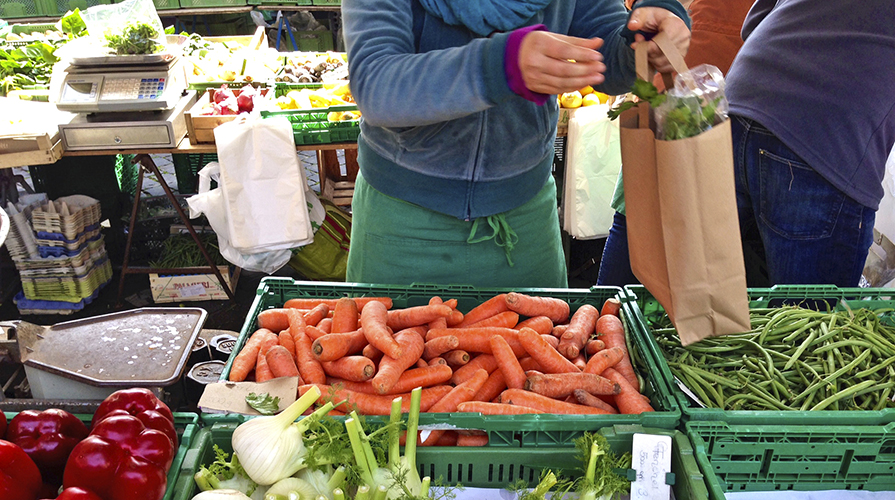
x=400 y=243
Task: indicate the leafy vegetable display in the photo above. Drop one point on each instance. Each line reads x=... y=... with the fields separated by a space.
x=26 y=67
x=679 y=117
x=135 y=38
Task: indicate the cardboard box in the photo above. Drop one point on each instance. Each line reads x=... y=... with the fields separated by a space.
x=34 y=149
x=199 y=127
x=192 y=287
x=565 y=115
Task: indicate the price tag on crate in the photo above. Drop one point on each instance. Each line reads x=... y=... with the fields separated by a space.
x=651 y=460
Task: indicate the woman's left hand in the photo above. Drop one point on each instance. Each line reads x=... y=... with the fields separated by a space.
x=656 y=20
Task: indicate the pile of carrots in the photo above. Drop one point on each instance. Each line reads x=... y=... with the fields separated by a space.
x=512 y=354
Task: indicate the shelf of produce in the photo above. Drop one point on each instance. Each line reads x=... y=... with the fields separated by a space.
x=186 y=148
x=201 y=11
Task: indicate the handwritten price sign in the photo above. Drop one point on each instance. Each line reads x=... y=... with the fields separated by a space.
x=652 y=462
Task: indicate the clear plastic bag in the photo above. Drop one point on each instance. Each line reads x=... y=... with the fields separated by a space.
x=117 y=19
x=695 y=104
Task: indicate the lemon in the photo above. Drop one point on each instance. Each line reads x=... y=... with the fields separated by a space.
x=590 y=100
x=586 y=90
x=570 y=99
x=285 y=102
x=604 y=98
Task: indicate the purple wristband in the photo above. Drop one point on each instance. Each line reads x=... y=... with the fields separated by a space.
x=511 y=65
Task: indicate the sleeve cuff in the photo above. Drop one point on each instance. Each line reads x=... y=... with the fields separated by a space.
x=511 y=65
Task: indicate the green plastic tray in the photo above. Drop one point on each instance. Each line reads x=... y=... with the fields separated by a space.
x=481 y=467
x=211 y=3
x=640 y=305
x=737 y=458
x=311 y=126
x=14 y=9
x=187 y=427
x=166 y=4
x=60 y=7
x=503 y=430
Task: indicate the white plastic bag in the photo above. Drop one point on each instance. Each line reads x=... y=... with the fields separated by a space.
x=211 y=203
x=262 y=184
x=593 y=161
x=111 y=19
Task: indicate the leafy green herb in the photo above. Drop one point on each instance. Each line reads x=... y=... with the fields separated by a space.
x=644 y=91
x=547 y=483
x=135 y=38
x=600 y=479
x=26 y=67
x=687 y=117
x=224 y=473
x=73 y=25
x=263 y=403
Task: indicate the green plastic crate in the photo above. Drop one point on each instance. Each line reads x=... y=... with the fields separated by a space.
x=510 y=430
x=187 y=167
x=312 y=126
x=641 y=306
x=327 y=2
x=60 y=7
x=211 y=3
x=166 y=4
x=740 y=458
x=14 y=9
x=481 y=467
x=280 y=2
x=187 y=427
x=127 y=172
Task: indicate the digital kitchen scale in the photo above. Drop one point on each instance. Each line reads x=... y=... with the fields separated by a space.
x=122 y=83
x=128 y=130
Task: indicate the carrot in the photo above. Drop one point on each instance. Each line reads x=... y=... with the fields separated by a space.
x=611 y=306
x=353 y=368
x=421 y=363
x=531 y=305
x=550 y=360
x=559 y=330
x=456 y=358
x=540 y=324
x=399 y=319
x=360 y=301
x=325 y=325
x=580 y=361
x=490 y=307
x=603 y=359
x=263 y=372
x=247 y=358
x=440 y=322
x=439 y=346
x=550 y=339
x=375 y=404
x=437 y=360
x=629 y=401
x=611 y=331
x=373 y=353
x=485 y=361
x=310 y=369
x=449 y=438
x=345 y=316
x=580 y=328
x=274 y=320
x=492 y=387
x=560 y=385
x=390 y=369
x=507 y=362
x=316 y=314
x=529 y=363
x=333 y=346
x=285 y=339
x=455 y=319
x=479 y=339
x=594 y=346
x=373 y=322
x=428 y=376
x=314 y=332
x=488 y=408
x=281 y=362
x=459 y=394
x=585 y=398
x=529 y=399
x=267 y=341
x=472 y=438
x=505 y=319
x=452 y=303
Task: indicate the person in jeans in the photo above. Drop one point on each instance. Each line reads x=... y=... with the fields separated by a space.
x=459 y=116
x=812 y=109
x=715 y=39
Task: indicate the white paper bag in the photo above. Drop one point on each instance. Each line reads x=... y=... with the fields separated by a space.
x=262 y=184
x=593 y=161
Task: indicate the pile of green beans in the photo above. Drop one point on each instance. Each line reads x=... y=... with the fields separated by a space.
x=792 y=359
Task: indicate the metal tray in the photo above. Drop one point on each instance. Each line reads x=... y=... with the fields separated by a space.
x=140 y=347
x=123 y=60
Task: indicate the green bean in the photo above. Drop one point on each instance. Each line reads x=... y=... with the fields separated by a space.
x=804 y=345
x=845 y=393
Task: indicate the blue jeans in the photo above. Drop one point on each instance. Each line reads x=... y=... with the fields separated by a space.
x=615 y=264
x=806 y=229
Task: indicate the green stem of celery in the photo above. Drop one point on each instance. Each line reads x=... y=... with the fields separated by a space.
x=544 y=486
x=293 y=411
x=339 y=494
x=319 y=412
x=205 y=480
x=337 y=479
x=413 y=421
x=359 y=456
x=394 y=435
x=592 y=463
x=365 y=446
x=381 y=492
x=424 y=488
x=363 y=493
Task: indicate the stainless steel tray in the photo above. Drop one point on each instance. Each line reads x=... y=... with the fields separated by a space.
x=145 y=347
x=123 y=60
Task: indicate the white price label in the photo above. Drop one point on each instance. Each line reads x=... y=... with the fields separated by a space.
x=192 y=290
x=652 y=462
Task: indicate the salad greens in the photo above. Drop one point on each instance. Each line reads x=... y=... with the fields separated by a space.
x=135 y=38
x=684 y=117
x=263 y=403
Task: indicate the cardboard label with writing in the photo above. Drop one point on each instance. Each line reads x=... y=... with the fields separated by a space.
x=230 y=397
x=651 y=460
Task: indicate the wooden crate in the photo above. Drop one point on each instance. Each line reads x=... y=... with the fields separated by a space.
x=335 y=186
x=200 y=128
x=30 y=149
x=192 y=287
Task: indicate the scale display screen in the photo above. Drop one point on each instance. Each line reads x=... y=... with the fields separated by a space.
x=80 y=91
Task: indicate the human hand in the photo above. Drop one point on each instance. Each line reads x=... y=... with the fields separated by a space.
x=552 y=64
x=655 y=20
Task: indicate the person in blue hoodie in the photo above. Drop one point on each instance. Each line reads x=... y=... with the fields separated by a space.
x=458 y=123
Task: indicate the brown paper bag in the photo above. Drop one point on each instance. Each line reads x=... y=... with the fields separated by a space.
x=683 y=230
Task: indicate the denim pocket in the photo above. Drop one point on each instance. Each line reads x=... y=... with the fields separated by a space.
x=796 y=201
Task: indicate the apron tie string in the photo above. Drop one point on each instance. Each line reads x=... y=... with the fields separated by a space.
x=502 y=234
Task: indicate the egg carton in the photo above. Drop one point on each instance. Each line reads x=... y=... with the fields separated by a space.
x=20 y=240
x=69 y=215
x=75 y=271
x=56 y=247
x=68 y=289
x=28 y=306
x=92 y=251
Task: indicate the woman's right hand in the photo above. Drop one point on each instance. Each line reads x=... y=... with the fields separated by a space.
x=552 y=64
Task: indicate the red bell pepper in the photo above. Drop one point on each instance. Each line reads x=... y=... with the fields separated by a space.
x=77 y=494
x=47 y=437
x=2 y=424
x=121 y=459
x=141 y=403
x=19 y=475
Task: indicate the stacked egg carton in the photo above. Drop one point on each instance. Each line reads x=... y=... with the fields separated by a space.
x=65 y=263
